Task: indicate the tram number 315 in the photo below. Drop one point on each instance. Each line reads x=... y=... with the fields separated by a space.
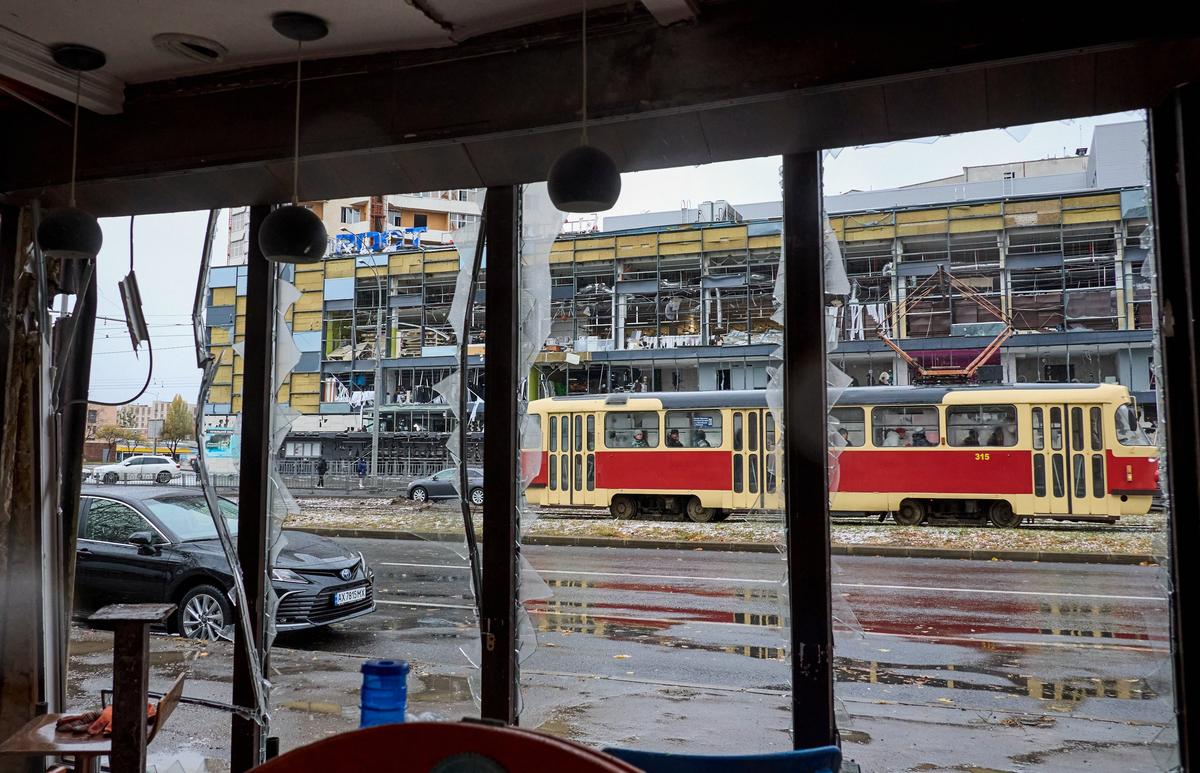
x=982 y=456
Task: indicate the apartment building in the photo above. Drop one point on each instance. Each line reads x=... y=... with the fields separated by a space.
x=682 y=300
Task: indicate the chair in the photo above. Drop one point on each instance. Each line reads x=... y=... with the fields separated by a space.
x=822 y=759
x=423 y=746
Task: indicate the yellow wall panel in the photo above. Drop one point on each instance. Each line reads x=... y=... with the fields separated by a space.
x=305 y=403
x=976 y=224
x=975 y=210
x=682 y=235
x=1026 y=219
x=237 y=404
x=870 y=219
x=218 y=336
x=237 y=384
x=405 y=263
x=223 y=296
x=1040 y=206
x=684 y=248
x=866 y=234
x=838 y=224
x=1100 y=200
x=442 y=266
x=310 y=268
x=284 y=393
x=596 y=244
x=239 y=366
x=923 y=229
x=725 y=238
x=921 y=216
x=1097 y=215
x=240 y=309
x=305 y=383
x=239 y=326
x=607 y=254
x=339 y=269
x=765 y=242
x=562 y=257
x=310 y=281
x=306 y=321
x=219 y=393
x=309 y=302
x=224 y=374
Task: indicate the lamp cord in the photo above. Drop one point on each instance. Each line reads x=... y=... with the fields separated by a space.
x=296 y=140
x=584 y=69
x=75 y=134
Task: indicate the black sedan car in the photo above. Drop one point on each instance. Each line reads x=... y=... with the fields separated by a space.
x=155 y=544
x=443 y=485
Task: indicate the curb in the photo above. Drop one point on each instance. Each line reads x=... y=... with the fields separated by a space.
x=872 y=551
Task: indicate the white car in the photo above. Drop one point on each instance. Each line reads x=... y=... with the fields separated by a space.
x=155 y=469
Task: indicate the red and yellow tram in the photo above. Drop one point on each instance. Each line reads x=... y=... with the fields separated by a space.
x=1002 y=453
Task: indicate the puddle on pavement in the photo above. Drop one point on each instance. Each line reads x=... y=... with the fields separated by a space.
x=639 y=612
x=745 y=594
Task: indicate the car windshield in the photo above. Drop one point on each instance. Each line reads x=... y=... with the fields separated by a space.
x=187 y=516
x=1129 y=432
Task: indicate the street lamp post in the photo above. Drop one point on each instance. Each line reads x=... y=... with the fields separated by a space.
x=379 y=309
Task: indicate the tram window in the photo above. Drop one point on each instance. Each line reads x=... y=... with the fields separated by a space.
x=578 y=433
x=1056 y=431
x=564 y=472
x=694 y=429
x=851 y=425
x=553 y=475
x=1056 y=462
x=578 y=472
x=1039 y=475
x=1077 y=429
x=1039 y=433
x=770 y=433
x=564 y=443
x=771 y=477
x=737 y=432
x=621 y=430
x=1128 y=431
x=905 y=426
x=553 y=433
x=981 y=425
x=752 y=468
x=1079 y=472
x=591 y=473
x=1098 y=475
x=1097 y=429
x=591 y=433
x=752 y=435
x=737 y=471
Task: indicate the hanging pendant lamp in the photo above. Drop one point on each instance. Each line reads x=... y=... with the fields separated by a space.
x=294 y=234
x=584 y=179
x=70 y=233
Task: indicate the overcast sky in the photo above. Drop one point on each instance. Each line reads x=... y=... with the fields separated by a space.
x=168 y=246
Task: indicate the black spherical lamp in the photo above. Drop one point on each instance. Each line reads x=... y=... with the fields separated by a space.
x=70 y=233
x=584 y=179
x=294 y=234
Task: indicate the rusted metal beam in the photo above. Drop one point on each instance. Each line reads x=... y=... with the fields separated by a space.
x=806 y=453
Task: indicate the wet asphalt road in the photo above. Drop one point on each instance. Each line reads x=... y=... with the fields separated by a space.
x=1006 y=666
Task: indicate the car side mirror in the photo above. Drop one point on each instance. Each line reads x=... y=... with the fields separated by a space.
x=145 y=542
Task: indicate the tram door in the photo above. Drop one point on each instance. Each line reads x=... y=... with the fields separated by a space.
x=1051 y=460
x=749 y=460
x=1089 y=492
x=571 y=477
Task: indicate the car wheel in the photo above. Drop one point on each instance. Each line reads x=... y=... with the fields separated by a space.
x=698 y=513
x=419 y=494
x=110 y=478
x=163 y=477
x=477 y=497
x=203 y=613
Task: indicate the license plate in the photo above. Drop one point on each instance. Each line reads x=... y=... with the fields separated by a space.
x=349 y=596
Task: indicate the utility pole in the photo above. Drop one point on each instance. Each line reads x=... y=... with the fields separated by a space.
x=379 y=309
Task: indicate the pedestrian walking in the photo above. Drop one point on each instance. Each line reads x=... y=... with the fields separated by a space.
x=361 y=469
x=322 y=468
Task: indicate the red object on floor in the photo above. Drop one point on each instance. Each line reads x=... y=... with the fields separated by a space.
x=415 y=747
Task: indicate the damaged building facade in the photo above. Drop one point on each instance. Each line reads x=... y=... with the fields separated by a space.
x=682 y=300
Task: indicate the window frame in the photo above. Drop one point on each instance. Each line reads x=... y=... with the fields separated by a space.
x=862 y=411
x=87 y=520
x=609 y=415
x=875 y=423
x=719 y=428
x=1012 y=421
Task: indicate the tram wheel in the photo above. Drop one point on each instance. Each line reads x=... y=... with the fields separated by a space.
x=1001 y=514
x=698 y=513
x=911 y=513
x=722 y=515
x=623 y=507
